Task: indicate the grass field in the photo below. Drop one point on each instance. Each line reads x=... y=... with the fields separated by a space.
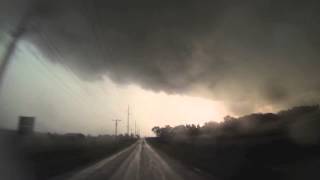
x=49 y=155
x=277 y=159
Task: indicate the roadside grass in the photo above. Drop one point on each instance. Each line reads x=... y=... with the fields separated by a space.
x=50 y=155
x=242 y=157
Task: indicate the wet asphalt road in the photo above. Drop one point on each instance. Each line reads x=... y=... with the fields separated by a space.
x=137 y=162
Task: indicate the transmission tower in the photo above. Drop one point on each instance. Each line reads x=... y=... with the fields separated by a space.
x=116 y=126
x=128 y=121
x=135 y=127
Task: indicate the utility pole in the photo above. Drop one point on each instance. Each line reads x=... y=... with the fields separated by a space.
x=135 y=127
x=138 y=131
x=116 y=126
x=128 y=121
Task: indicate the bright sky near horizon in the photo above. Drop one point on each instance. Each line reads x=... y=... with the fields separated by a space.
x=62 y=102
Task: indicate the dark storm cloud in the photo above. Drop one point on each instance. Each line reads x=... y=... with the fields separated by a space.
x=246 y=53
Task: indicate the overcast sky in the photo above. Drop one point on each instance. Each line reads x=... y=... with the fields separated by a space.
x=174 y=62
x=62 y=102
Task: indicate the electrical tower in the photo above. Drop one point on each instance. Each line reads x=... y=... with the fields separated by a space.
x=128 y=121
x=135 y=127
x=116 y=126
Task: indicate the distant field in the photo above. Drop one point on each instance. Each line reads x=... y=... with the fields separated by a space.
x=277 y=159
x=49 y=155
x=283 y=145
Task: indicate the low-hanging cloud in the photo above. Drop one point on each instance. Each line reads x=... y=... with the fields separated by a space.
x=248 y=54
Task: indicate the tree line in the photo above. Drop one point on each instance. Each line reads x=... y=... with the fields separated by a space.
x=299 y=123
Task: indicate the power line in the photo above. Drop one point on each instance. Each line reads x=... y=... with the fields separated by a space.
x=56 y=78
x=16 y=35
x=54 y=49
x=59 y=58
